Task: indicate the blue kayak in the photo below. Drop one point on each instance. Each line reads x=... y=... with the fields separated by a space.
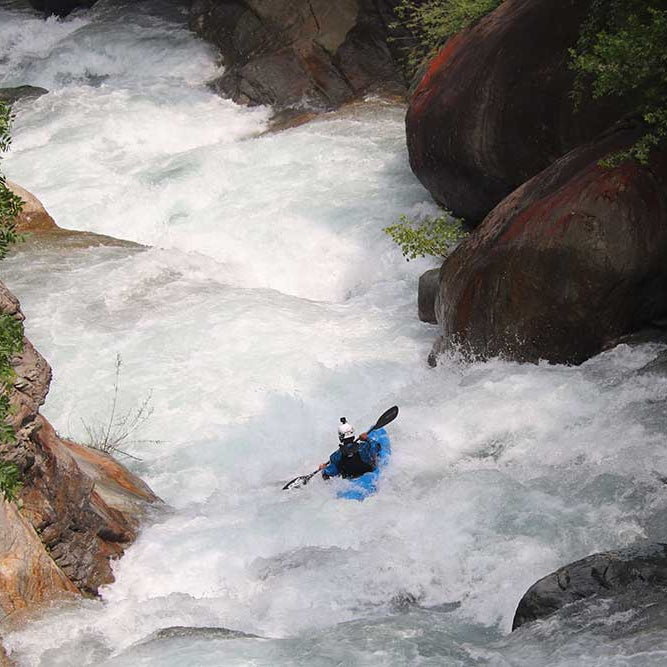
x=360 y=488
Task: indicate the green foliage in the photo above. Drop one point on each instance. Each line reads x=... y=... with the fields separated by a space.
x=11 y=330
x=622 y=53
x=433 y=22
x=430 y=236
x=10 y=480
x=11 y=343
x=10 y=204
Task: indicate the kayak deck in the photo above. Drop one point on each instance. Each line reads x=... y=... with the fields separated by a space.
x=366 y=485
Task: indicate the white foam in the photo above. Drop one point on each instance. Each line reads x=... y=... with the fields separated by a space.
x=271 y=304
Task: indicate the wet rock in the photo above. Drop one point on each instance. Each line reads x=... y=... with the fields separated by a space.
x=573 y=259
x=494 y=108
x=41 y=230
x=402 y=602
x=28 y=575
x=60 y=7
x=84 y=506
x=429 y=285
x=33 y=216
x=116 y=485
x=68 y=507
x=187 y=632
x=311 y=53
x=11 y=95
x=633 y=574
x=656 y=367
x=648 y=334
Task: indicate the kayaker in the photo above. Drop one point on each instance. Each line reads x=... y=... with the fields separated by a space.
x=353 y=458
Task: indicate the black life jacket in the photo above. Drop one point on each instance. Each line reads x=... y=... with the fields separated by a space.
x=354 y=466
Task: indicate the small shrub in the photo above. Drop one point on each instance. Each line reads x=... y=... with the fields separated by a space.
x=11 y=344
x=10 y=204
x=109 y=435
x=433 y=22
x=11 y=330
x=10 y=480
x=430 y=236
x=621 y=52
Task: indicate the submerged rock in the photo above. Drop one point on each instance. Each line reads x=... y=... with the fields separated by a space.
x=187 y=632
x=494 y=108
x=657 y=367
x=573 y=259
x=60 y=7
x=11 y=95
x=632 y=573
x=296 y=53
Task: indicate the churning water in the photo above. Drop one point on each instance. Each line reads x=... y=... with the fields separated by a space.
x=268 y=303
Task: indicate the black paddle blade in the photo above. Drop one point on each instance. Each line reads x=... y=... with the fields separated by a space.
x=385 y=418
x=298 y=482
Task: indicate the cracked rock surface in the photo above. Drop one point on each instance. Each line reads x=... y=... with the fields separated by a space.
x=301 y=53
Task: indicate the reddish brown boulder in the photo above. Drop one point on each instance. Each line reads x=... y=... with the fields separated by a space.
x=291 y=53
x=33 y=216
x=570 y=261
x=494 y=107
x=68 y=507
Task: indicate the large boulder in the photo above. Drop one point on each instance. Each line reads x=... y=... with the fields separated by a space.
x=494 y=107
x=295 y=53
x=631 y=573
x=570 y=261
x=84 y=506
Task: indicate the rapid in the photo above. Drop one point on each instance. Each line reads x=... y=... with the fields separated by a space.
x=266 y=303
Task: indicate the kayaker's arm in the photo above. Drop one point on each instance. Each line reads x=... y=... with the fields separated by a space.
x=330 y=469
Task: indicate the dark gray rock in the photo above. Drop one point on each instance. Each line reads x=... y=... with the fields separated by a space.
x=429 y=284
x=11 y=95
x=631 y=573
x=296 y=53
x=656 y=367
x=60 y=7
x=188 y=632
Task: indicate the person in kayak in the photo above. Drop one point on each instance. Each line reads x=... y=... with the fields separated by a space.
x=354 y=457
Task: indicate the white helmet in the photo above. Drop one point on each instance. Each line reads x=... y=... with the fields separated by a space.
x=345 y=430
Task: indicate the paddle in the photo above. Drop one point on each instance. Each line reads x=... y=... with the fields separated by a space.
x=383 y=420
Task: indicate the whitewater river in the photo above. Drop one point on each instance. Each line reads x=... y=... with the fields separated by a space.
x=268 y=303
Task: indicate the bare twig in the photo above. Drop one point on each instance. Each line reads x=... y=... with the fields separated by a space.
x=116 y=431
